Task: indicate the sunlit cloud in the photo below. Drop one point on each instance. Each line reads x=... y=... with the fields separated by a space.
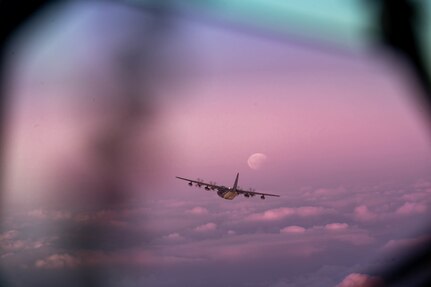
x=13 y=245
x=49 y=214
x=280 y=213
x=174 y=236
x=412 y=208
x=362 y=213
x=397 y=245
x=130 y=257
x=99 y=215
x=355 y=238
x=360 y=280
x=8 y=235
x=422 y=184
x=293 y=229
x=336 y=226
x=98 y=258
x=324 y=193
x=244 y=247
x=10 y=241
x=417 y=196
x=206 y=227
x=198 y=210
x=58 y=261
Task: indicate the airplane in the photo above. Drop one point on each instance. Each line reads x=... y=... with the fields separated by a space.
x=227 y=192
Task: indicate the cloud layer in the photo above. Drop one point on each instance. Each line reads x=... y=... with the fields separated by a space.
x=360 y=280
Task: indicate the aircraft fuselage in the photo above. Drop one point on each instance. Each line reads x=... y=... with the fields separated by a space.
x=227 y=194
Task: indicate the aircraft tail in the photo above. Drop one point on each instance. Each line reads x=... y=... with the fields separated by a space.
x=236 y=182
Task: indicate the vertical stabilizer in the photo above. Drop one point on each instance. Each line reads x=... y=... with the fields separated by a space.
x=236 y=182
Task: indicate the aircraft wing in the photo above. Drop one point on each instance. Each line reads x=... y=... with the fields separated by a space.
x=200 y=183
x=253 y=193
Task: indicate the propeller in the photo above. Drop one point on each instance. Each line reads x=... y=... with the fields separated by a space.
x=213 y=183
x=199 y=184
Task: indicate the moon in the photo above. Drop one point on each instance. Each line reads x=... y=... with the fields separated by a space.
x=257 y=161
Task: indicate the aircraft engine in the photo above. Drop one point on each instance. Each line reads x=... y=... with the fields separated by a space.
x=190 y=183
x=262 y=196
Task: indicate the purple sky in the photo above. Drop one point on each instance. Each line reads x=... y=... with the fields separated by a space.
x=347 y=152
